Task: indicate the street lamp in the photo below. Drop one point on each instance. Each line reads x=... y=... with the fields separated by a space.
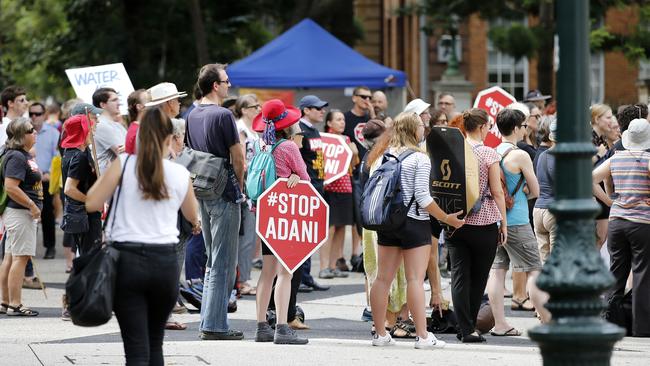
x=574 y=275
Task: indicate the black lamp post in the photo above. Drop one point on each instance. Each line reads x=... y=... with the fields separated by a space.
x=574 y=275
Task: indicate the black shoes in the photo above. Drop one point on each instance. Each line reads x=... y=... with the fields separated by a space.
x=316 y=286
x=471 y=338
x=49 y=253
x=304 y=288
x=230 y=335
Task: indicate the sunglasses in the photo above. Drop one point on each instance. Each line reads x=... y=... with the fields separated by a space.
x=316 y=108
x=524 y=125
x=252 y=106
x=227 y=81
x=366 y=97
x=31 y=130
x=36 y=114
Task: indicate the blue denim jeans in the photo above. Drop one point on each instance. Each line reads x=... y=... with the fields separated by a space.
x=220 y=220
x=195 y=258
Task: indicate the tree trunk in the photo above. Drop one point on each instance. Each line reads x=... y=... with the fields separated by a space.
x=199 y=33
x=545 y=51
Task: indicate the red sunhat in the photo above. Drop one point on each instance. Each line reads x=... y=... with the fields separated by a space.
x=75 y=129
x=274 y=111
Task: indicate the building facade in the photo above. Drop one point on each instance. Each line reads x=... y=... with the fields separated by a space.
x=396 y=40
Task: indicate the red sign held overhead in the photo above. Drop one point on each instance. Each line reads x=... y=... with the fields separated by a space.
x=336 y=156
x=493 y=100
x=293 y=222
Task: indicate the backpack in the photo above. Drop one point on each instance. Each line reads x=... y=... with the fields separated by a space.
x=4 y=198
x=509 y=197
x=261 y=170
x=382 y=202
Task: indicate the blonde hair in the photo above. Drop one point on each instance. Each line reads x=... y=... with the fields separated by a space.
x=598 y=110
x=17 y=131
x=405 y=131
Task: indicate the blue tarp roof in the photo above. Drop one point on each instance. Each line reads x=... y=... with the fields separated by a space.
x=307 y=56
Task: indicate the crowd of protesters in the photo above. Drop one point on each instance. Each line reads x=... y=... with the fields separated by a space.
x=64 y=164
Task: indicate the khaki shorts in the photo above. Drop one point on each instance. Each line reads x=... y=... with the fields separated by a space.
x=521 y=249
x=20 y=232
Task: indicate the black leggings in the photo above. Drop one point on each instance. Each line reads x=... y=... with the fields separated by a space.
x=145 y=293
x=86 y=242
x=471 y=249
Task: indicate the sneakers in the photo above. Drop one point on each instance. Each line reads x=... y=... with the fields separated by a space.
x=379 y=341
x=339 y=274
x=341 y=265
x=230 y=335
x=285 y=335
x=430 y=342
x=232 y=302
x=356 y=261
x=326 y=274
x=257 y=263
x=264 y=332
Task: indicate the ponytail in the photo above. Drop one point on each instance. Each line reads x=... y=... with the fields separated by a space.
x=154 y=129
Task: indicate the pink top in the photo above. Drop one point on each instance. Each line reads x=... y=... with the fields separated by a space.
x=131 y=135
x=288 y=160
x=489 y=212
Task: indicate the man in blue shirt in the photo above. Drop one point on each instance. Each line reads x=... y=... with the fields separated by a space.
x=47 y=139
x=211 y=128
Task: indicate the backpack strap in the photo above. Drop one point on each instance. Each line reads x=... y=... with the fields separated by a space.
x=277 y=143
x=521 y=179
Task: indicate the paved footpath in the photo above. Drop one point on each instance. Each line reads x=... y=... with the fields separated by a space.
x=337 y=336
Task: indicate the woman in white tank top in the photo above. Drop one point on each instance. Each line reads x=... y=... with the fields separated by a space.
x=142 y=225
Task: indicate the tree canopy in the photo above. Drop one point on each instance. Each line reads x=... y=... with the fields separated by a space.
x=157 y=40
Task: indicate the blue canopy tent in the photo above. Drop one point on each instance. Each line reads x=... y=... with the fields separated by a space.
x=307 y=56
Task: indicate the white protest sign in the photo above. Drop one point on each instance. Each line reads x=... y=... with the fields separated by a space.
x=86 y=80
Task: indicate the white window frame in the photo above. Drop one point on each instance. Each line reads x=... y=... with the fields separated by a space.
x=501 y=66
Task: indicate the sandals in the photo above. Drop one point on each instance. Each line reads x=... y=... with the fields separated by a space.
x=521 y=305
x=512 y=332
x=20 y=310
x=175 y=326
x=3 y=308
x=247 y=289
x=403 y=330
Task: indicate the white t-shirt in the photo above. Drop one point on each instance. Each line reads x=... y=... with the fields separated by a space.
x=3 y=130
x=148 y=221
x=107 y=134
x=251 y=137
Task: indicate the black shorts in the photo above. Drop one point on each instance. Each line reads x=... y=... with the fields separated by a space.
x=341 y=209
x=414 y=233
x=436 y=228
x=604 y=210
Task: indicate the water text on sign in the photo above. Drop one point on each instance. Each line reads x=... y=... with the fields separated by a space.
x=98 y=77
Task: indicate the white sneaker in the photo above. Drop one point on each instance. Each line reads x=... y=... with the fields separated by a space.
x=379 y=341
x=430 y=342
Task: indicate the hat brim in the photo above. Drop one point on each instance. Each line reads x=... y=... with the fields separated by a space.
x=629 y=145
x=160 y=101
x=537 y=99
x=292 y=117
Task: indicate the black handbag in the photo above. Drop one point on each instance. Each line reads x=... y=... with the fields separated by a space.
x=91 y=286
x=446 y=323
x=75 y=218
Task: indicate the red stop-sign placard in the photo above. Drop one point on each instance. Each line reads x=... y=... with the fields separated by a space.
x=293 y=222
x=492 y=100
x=336 y=157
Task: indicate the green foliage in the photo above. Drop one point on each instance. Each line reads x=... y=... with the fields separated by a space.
x=516 y=40
x=154 y=39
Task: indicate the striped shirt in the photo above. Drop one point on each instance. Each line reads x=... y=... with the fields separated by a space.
x=632 y=181
x=414 y=177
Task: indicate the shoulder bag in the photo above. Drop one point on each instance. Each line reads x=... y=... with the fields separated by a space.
x=91 y=286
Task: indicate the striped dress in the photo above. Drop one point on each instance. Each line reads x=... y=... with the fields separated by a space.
x=632 y=181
